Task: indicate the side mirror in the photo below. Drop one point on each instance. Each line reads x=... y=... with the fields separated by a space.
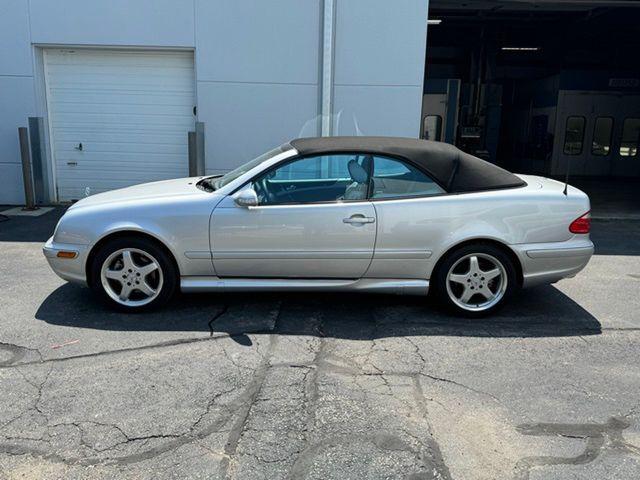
x=246 y=198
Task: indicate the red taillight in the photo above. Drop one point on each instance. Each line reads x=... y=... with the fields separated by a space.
x=581 y=224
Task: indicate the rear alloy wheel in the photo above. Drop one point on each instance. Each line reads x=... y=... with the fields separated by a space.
x=475 y=280
x=133 y=274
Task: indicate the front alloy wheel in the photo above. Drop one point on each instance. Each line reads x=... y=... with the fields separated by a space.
x=131 y=277
x=133 y=274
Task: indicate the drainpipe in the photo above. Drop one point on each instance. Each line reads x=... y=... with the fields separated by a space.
x=328 y=47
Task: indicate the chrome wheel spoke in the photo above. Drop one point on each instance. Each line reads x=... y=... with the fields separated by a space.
x=114 y=275
x=457 y=278
x=147 y=269
x=466 y=295
x=486 y=293
x=474 y=266
x=125 y=292
x=146 y=289
x=127 y=260
x=491 y=274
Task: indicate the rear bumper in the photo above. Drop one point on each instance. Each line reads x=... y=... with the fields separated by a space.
x=70 y=269
x=549 y=262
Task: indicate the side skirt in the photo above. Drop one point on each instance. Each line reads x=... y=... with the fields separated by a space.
x=400 y=286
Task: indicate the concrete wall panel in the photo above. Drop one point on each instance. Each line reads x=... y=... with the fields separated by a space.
x=12 y=192
x=379 y=67
x=376 y=110
x=243 y=120
x=15 y=48
x=380 y=42
x=274 y=41
x=113 y=22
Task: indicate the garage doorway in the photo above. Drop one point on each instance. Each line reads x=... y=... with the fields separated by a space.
x=117 y=117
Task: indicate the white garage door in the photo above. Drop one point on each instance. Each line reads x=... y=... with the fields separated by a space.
x=118 y=118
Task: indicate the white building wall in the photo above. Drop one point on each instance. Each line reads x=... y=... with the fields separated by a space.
x=159 y=23
x=379 y=67
x=258 y=66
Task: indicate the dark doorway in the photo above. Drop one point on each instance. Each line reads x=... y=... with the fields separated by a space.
x=543 y=86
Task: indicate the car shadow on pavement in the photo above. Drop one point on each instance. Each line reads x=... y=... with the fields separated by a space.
x=539 y=312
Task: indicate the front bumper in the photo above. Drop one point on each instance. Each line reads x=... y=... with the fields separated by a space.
x=544 y=263
x=70 y=269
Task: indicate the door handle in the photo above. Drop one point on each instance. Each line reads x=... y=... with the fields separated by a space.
x=358 y=220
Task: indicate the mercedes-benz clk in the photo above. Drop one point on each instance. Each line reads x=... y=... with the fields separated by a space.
x=366 y=214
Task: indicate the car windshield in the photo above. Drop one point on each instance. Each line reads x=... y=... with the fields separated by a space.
x=218 y=181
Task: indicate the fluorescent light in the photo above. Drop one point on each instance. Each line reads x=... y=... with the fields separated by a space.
x=434 y=21
x=520 y=49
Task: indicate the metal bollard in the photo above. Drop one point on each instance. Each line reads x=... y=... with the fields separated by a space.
x=29 y=195
x=193 y=155
x=200 y=148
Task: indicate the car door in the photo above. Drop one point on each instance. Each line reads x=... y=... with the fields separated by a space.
x=312 y=220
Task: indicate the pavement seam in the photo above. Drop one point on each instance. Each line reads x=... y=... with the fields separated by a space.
x=249 y=395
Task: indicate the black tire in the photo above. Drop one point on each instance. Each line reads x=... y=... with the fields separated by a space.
x=168 y=272
x=486 y=253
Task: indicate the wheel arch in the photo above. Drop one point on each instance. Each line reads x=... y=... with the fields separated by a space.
x=486 y=241
x=122 y=234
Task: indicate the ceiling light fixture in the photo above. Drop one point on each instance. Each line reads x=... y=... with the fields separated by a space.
x=520 y=49
x=434 y=21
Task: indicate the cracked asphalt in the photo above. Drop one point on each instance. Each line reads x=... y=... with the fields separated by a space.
x=284 y=386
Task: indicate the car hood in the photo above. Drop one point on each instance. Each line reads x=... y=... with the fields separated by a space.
x=145 y=191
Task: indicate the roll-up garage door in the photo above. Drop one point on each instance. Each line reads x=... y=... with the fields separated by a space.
x=118 y=118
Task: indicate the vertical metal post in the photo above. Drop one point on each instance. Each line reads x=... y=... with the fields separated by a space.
x=200 y=161
x=328 y=46
x=193 y=163
x=479 y=78
x=30 y=203
x=38 y=167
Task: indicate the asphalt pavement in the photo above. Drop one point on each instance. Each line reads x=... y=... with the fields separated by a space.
x=322 y=386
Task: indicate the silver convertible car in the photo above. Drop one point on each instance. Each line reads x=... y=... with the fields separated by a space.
x=366 y=214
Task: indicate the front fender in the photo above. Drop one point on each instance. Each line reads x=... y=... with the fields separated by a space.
x=181 y=225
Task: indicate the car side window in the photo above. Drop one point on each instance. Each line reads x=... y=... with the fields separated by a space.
x=323 y=178
x=396 y=179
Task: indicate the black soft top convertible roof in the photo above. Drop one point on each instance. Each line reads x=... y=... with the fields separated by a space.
x=452 y=168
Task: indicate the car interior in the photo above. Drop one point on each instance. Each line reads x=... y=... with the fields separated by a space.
x=342 y=177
